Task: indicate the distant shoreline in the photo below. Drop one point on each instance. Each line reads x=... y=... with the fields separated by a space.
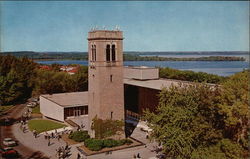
x=157 y=58
x=137 y=56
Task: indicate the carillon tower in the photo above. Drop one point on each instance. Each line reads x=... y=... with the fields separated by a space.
x=106 y=89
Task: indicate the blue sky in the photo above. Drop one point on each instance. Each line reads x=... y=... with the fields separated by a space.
x=147 y=26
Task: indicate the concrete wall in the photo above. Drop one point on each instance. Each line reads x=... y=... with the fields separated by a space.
x=51 y=109
x=141 y=73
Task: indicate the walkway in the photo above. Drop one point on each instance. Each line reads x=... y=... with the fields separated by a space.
x=6 y=131
x=41 y=144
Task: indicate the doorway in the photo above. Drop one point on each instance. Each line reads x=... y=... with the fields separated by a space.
x=77 y=111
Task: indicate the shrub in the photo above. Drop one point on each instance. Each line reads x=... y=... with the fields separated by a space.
x=94 y=144
x=127 y=141
x=98 y=144
x=79 y=136
x=110 y=143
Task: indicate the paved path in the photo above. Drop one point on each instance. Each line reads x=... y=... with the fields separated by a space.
x=40 y=143
x=6 y=131
x=145 y=152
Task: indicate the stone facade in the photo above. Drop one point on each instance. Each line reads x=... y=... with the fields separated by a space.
x=106 y=89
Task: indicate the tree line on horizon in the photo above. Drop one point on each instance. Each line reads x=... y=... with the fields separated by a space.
x=128 y=56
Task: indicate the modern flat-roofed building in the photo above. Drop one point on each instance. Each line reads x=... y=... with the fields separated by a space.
x=64 y=105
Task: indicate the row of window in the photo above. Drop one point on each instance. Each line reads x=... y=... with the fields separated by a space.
x=110 y=53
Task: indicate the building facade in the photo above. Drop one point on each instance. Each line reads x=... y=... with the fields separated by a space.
x=62 y=106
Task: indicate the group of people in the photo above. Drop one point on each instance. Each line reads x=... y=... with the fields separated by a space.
x=138 y=156
x=23 y=123
x=63 y=152
x=52 y=135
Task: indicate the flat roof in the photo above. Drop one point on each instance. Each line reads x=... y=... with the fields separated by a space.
x=69 y=99
x=157 y=84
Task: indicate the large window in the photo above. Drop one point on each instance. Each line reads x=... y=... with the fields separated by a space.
x=108 y=53
x=93 y=52
x=113 y=52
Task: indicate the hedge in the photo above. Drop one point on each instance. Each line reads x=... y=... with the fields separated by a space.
x=97 y=144
x=79 y=136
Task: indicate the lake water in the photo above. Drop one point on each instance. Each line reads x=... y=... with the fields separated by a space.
x=223 y=68
x=197 y=56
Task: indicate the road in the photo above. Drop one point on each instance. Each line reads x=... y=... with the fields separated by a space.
x=6 y=131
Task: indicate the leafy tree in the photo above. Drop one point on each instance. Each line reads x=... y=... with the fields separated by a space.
x=81 y=79
x=182 y=122
x=235 y=107
x=224 y=149
x=190 y=75
x=201 y=121
x=15 y=79
x=50 y=81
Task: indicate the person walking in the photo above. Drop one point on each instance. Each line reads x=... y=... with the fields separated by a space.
x=78 y=156
x=134 y=157
x=24 y=129
x=138 y=155
x=58 y=137
x=48 y=142
x=35 y=133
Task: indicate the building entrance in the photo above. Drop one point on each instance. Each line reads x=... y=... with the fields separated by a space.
x=77 y=112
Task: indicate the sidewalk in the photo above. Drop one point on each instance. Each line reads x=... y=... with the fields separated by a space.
x=40 y=143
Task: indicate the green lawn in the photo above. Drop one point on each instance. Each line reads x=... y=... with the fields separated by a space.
x=5 y=108
x=44 y=125
x=36 y=110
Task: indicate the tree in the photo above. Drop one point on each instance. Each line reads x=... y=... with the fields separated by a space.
x=181 y=123
x=197 y=120
x=235 y=107
x=15 y=79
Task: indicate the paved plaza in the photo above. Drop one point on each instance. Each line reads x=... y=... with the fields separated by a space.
x=41 y=144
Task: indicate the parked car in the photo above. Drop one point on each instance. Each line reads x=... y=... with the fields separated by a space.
x=31 y=104
x=8 y=152
x=9 y=142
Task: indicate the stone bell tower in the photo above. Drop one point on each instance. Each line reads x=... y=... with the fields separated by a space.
x=105 y=75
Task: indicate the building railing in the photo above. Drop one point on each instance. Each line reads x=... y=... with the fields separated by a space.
x=133 y=115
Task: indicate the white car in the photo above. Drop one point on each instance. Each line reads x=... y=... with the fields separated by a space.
x=9 y=142
x=31 y=104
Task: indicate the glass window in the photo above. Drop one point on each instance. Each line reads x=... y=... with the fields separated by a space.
x=113 y=52
x=108 y=53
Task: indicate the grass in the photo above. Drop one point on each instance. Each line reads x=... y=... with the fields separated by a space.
x=5 y=108
x=42 y=125
x=36 y=110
